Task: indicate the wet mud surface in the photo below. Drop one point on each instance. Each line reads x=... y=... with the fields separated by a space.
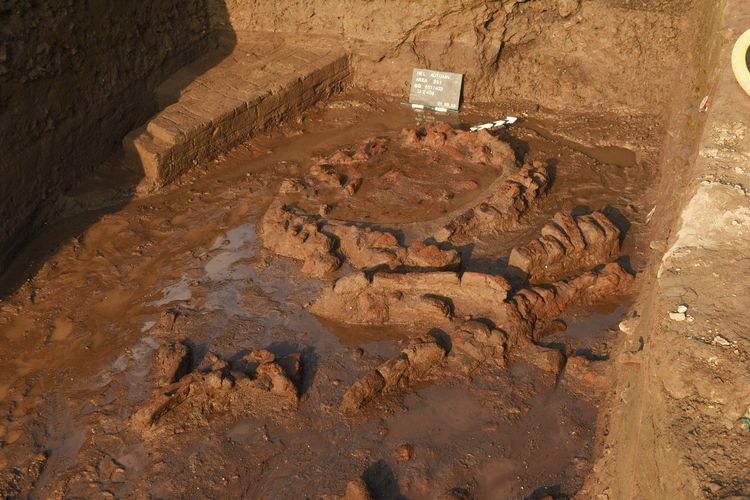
x=150 y=354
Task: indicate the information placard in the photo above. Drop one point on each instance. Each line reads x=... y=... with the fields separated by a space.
x=439 y=90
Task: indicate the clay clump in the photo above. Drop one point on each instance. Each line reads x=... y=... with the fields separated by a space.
x=510 y=198
x=568 y=244
x=17 y=480
x=584 y=376
x=255 y=383
x=172 y=361
x=477 y=147
x=323 y=246
x=437 y=298
x=539 y=304
x=298 y=236
x=367 y=248
x=413 y=363
x=428 y=298
x=474 y=344
x=340 y=169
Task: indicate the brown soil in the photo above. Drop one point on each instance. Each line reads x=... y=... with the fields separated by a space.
x=171 y=349
x=364 y=301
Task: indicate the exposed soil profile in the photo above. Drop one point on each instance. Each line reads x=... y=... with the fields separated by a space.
x=365 y=302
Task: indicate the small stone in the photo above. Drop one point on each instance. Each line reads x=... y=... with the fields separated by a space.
x=677 y=316
x=567 y=7
x=719 y=340
x=405 y=452
x=626 y=326
x=682 y=308
x=658 y=245
x=713 y=486
x=356 y=490
x=118 y=476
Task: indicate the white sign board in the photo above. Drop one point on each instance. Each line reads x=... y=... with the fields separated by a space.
x=439 y=90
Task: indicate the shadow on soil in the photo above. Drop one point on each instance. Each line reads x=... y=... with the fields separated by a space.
x=381 y=482
x=108 y=180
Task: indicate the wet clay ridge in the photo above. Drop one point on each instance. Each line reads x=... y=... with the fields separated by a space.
x=455 y=302
x=410 y=365
x=508 y=201
x=478 y=147
x=568 y=244
x=446 y=301
x=438 y=297
x=324 y=244
x=215 y=387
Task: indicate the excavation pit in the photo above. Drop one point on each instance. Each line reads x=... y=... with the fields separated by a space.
x=207 y=276
x=288 y=284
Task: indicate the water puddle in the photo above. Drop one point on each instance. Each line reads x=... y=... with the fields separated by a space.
x=138 y=369
x=610 y=155
x=541 y=451
x=438 y=416
x=237 y=246
x=176 y=292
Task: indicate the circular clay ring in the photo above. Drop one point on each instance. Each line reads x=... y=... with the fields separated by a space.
x=740 y=61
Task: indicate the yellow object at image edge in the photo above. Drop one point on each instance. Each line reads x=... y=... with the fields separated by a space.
x=739 y=61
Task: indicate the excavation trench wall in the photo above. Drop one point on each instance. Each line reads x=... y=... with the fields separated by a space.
x=585 y=54
x=683 y=384
x=74 y=78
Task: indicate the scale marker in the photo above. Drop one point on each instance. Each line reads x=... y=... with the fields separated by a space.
x=508 y=120
x=427 y=107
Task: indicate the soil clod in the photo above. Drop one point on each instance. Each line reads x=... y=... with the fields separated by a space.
x=567 y=245
x=412 y=364
x=508 y=200
x=256 y=382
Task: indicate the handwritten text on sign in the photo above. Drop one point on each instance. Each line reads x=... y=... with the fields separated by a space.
x=437 y=89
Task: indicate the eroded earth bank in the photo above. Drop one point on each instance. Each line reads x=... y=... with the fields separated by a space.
x=350 y=299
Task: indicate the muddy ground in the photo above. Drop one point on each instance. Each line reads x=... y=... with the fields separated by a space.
x=181 y=281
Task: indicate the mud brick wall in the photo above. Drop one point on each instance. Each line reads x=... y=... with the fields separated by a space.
x=255 y=88
x=75 y=77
